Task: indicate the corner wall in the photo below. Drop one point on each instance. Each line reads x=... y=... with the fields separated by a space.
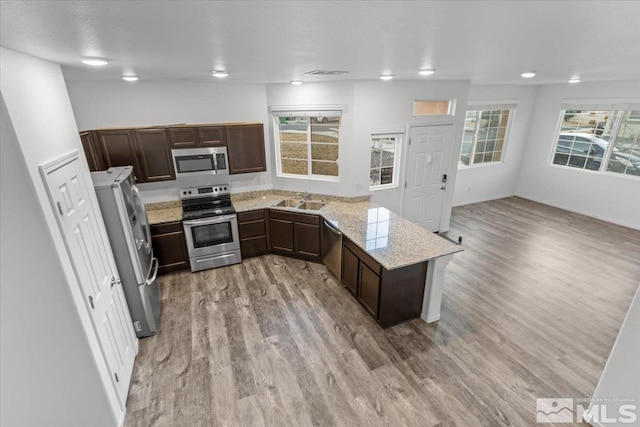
x=47 y=355
x=491 y=181
x=607 y=196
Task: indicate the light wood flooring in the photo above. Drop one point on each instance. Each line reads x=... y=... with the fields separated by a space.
x=530 y=309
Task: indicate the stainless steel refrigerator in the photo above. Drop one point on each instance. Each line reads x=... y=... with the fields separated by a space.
x=128 y=229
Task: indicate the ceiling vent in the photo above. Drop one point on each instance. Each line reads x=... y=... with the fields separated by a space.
x=325 y=73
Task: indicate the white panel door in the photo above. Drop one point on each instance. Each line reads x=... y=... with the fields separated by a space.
x=89 y=249
x=427 y=161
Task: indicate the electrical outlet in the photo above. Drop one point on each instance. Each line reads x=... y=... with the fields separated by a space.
x=359 y=186
x=468 y=188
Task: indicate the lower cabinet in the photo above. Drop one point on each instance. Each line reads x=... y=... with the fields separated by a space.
x=252 y=227
x=295 y=234
x=390 y=296
x=170 y=247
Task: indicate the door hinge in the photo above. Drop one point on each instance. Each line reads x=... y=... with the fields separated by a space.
x=405 y=184
x=60 y=208
x=117 y=379
x=91 y=302
x=113 y=281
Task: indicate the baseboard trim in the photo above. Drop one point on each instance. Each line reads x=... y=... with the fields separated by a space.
x=487 y=199
x=599 y=217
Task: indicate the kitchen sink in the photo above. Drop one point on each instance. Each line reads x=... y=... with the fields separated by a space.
x=309 y=205
x=312 y=205
x=288 y=203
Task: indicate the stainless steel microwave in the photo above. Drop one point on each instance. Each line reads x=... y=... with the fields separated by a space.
x=200 y=161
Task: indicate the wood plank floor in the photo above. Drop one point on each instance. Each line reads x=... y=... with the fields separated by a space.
x=530 y=309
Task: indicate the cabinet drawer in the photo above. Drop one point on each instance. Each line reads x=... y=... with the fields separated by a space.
x=254 y=246
x=364 y=257
x=252 y=229
x=250 y=216
x=295 y=217
x=168 y=227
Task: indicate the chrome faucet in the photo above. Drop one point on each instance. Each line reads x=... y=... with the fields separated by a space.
x=304 y=195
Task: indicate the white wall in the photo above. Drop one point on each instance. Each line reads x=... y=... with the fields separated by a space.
x=48 y=354
x=112 y=104
x=483 y=182
x=610 y=197
x=621 y=375
x=369 y=105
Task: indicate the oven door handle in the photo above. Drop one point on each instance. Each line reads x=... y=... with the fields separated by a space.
x=213 y=220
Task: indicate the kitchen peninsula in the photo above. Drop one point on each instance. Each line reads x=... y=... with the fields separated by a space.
x=406 y=262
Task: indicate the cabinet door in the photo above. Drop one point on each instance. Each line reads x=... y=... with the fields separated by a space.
x=94 y=158
x=349 y=270
x=369 y=292
x=254 y=246
x=118 y=148
x=183 y=137
x=245 y=148
x=154 y=156
x=211 y=136
x=307 y=239
x=170 y=247
x=281 y=235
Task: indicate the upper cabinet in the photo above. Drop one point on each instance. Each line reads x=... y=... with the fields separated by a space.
x=148 y=150
x=245 y=148
x=197 y=136
x=154 y=156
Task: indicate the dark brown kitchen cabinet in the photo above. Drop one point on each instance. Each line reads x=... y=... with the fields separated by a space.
x=252 y=227
x=245 y=148
x=154 y=156
x=211 y=136
x=196 y=136
x=389 y=296
x=170 y=247
x=91 y=151
x=119 y=149
x=295 y=234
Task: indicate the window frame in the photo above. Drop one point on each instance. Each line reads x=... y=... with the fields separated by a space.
x=399 y=136
x=620 y=112
x=484 y=106
x=277 y=112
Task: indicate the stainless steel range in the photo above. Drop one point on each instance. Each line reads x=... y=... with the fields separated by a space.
x=210 y=226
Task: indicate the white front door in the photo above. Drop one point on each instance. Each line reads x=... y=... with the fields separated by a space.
x=88 y=246
x=427 y=163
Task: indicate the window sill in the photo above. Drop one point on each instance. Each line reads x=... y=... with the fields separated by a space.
x=383 y=187
x=310 y=177
x=480 y=165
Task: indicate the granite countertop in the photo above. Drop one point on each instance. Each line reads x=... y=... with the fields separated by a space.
x=159 y=213
x=389 y=238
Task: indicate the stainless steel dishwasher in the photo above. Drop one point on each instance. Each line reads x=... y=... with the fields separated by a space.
x=332 y=249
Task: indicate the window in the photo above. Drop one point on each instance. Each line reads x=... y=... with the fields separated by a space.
x=599 y=140
x=308 y=144
x=384 y=160
x=431 y=108
x=483 y=140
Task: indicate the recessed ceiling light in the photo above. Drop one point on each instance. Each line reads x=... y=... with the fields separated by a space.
x=528 y=74
x=574 y=80
x=426 y=72
x=386 y=77
x=296 y=82
x=95 y=61
x=130 y=78
x=219 y=73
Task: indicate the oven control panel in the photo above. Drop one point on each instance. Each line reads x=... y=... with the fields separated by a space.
x=204 y=191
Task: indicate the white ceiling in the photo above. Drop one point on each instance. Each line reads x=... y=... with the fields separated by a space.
x=278 y=41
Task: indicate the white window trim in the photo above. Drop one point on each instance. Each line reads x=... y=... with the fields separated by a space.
x=510 y=105
x=399 y=134
x=306 y=110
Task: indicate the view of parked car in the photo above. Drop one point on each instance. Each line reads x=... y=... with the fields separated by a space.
x=586 y=151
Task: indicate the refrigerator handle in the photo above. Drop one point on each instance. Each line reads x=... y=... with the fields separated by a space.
x=147 y=229
x=154 y=267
